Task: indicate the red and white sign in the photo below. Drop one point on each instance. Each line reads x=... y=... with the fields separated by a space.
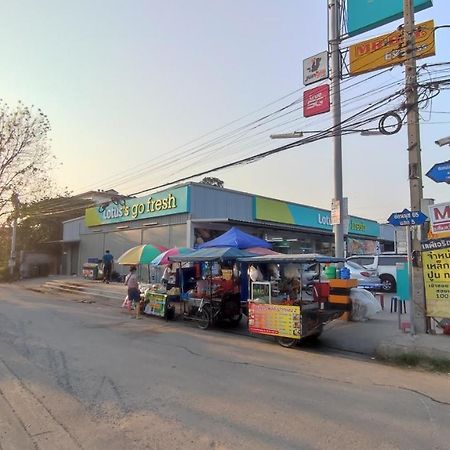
x=316 y=100
x=440 y=218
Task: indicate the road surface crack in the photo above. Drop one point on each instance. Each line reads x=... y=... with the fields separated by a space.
x=415 y=391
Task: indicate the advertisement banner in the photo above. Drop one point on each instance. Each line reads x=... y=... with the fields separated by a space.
x=316 y=100
x=173 y=201
x=436 y=274
x=315 y=68
x=439 y=215
x=156 y=305
x=389 y=49
x=275 y=320
x=365 y=15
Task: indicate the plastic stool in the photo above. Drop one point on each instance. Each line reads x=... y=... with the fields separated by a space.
x=405 y=326
x=380 y=297
x=402 y=305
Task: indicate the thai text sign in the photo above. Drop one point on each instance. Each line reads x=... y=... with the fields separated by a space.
x=440 y=218
x=436 y=274
x=156 y=305
x=390 y=49
x=365 y=15
x=316 y=100
x=275 y=320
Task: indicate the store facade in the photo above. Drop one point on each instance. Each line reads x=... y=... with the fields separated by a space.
x=193 y=213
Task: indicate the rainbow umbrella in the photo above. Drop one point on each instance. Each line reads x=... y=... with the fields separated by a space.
x=141 y=254
x=163 y=258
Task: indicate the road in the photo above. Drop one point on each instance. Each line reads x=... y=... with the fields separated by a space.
x=84 y=375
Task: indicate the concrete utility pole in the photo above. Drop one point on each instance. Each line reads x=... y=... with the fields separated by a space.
x=12 y=258
x=334 y=31
x=415 y=165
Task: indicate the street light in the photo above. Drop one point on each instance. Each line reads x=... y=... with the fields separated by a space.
x=293 y=135
x=443 y=141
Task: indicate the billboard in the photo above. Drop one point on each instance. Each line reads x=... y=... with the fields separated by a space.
x=440 y=218
x=365 y=15
x=316 y=100
x=389 y=49
x=315 y=68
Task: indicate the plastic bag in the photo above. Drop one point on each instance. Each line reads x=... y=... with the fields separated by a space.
x=126 y=303
x=364 y=305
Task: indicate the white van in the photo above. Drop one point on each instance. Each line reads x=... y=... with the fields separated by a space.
x=385 y=265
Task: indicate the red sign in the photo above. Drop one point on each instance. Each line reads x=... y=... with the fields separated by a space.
x=316 y=100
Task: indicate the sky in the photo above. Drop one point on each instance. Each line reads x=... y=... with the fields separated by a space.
x=130 y=87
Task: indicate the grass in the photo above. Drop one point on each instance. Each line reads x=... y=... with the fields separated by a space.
x=418 y=360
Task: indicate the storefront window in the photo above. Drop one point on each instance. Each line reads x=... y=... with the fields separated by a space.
x=157 y=235
x=178 y=235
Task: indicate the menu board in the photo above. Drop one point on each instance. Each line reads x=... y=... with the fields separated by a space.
x=436 y=274
x=156 y=305
x=275 y=320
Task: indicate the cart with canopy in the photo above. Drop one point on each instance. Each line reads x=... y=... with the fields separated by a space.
x=278 y=304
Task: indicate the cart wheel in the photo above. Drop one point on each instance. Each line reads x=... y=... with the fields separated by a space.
x=287 y=342
x=204 y=318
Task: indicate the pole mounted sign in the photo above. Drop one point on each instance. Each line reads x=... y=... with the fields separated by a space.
x=440 y=218
x=315 y=68
x=407 y=218
x=316 y=100
x=440 y=173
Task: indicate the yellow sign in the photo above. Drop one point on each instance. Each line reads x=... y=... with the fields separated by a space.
x=436 y=274
x=275 y=320
x=390 y=49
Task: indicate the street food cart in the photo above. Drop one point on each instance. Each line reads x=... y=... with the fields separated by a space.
x=278 y=304
x=213 y=294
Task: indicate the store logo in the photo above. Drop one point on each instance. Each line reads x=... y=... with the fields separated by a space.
x=324 y=220
x=357 y=226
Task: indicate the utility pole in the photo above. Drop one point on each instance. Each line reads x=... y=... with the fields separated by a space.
x=334 y=32
x=12 y=258
x=415 y=165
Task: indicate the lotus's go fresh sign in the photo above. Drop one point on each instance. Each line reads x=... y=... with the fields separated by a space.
x=283 y=212
x=159 y=204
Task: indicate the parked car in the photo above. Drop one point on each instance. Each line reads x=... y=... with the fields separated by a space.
x=367 y=278
x=385 y=264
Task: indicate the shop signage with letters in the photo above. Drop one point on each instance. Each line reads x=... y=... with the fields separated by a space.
x=389 y=49
x=436 y=274
x=440 y=218
x=316 y=100
x=163 y=203
x=315 y=68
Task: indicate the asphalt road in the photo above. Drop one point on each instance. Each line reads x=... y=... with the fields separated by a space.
x=85 y=375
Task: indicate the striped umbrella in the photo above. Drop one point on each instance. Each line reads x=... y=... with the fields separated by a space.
x=163 y=258
x=141 y=254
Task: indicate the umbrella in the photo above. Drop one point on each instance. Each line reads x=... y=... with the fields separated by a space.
x=237 y=238
x=163 y=258
x=141 y=254
x=212 y=254
x=261 y=251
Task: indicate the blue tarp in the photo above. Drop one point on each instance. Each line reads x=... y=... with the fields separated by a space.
x=212 y=254
x=236 y=238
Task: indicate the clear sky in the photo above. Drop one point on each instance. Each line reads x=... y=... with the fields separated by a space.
x=126 y=83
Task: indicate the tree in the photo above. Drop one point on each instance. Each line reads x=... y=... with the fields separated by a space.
x=25 y=158
x=212 y=181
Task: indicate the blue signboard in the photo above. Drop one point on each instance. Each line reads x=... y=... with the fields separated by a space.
x=440 y=172
x=407 y=217
x=365 y=15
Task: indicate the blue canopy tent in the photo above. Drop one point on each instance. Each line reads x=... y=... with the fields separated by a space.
x=234 y=237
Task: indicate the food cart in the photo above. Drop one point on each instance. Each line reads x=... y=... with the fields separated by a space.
x=279 y=306
x=212 y=296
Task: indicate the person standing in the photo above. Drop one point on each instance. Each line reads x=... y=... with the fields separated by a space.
x=134 y=294
x=108 y=260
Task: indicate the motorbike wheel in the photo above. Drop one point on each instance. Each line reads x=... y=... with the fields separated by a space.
x=204 y=317
x=287 y=342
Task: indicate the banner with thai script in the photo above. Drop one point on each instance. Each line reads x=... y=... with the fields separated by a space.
x=275 y=320
x=436 y=274
x=156 y=305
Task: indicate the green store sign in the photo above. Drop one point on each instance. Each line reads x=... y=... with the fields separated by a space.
x=164 y=203
x=290 y=213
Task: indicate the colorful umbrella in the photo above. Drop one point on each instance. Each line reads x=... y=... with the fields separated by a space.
x=163 y=258
x=142 y=254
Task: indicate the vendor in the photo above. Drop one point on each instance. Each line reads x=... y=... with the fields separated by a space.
x=166 y=275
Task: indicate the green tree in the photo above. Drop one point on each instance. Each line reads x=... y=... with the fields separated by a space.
x=212 y=181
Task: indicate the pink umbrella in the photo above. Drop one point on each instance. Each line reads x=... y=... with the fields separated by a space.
x=261 y=251
x=163 y=258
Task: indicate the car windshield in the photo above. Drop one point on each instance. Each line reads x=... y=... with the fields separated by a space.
x=354 y=265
